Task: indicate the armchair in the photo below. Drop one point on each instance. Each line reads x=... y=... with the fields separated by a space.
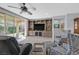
x=9 y=46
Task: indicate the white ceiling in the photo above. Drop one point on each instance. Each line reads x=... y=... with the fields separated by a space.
x=44 y=10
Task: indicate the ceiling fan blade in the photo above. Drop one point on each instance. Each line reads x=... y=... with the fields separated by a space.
x=13 y=7
x=32 y=6
x=29 y=12
x=21 y=12
x=20 y=4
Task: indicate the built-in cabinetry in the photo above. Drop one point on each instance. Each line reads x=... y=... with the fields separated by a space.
x=46 y=30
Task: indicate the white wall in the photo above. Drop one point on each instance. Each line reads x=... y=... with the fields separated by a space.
x=60 y=19
x=68 y=20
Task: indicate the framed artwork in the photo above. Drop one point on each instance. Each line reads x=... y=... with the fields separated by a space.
x=56 y=25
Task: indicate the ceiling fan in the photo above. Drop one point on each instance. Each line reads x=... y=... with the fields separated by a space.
x=24 y=8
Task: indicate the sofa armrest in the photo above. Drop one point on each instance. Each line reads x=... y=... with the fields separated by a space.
x=25 y=49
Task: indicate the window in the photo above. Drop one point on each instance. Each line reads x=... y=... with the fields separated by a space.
x=2 y=25
x=10 y=23
x=21 y=28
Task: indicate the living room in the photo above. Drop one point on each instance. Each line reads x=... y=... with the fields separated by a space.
x=45 y=27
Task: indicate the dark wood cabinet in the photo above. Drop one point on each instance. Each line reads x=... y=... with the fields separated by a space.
x=76 y=26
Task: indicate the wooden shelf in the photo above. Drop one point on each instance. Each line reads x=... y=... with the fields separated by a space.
x=48 y=27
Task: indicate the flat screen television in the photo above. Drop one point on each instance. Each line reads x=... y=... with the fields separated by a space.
x=39 y=27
